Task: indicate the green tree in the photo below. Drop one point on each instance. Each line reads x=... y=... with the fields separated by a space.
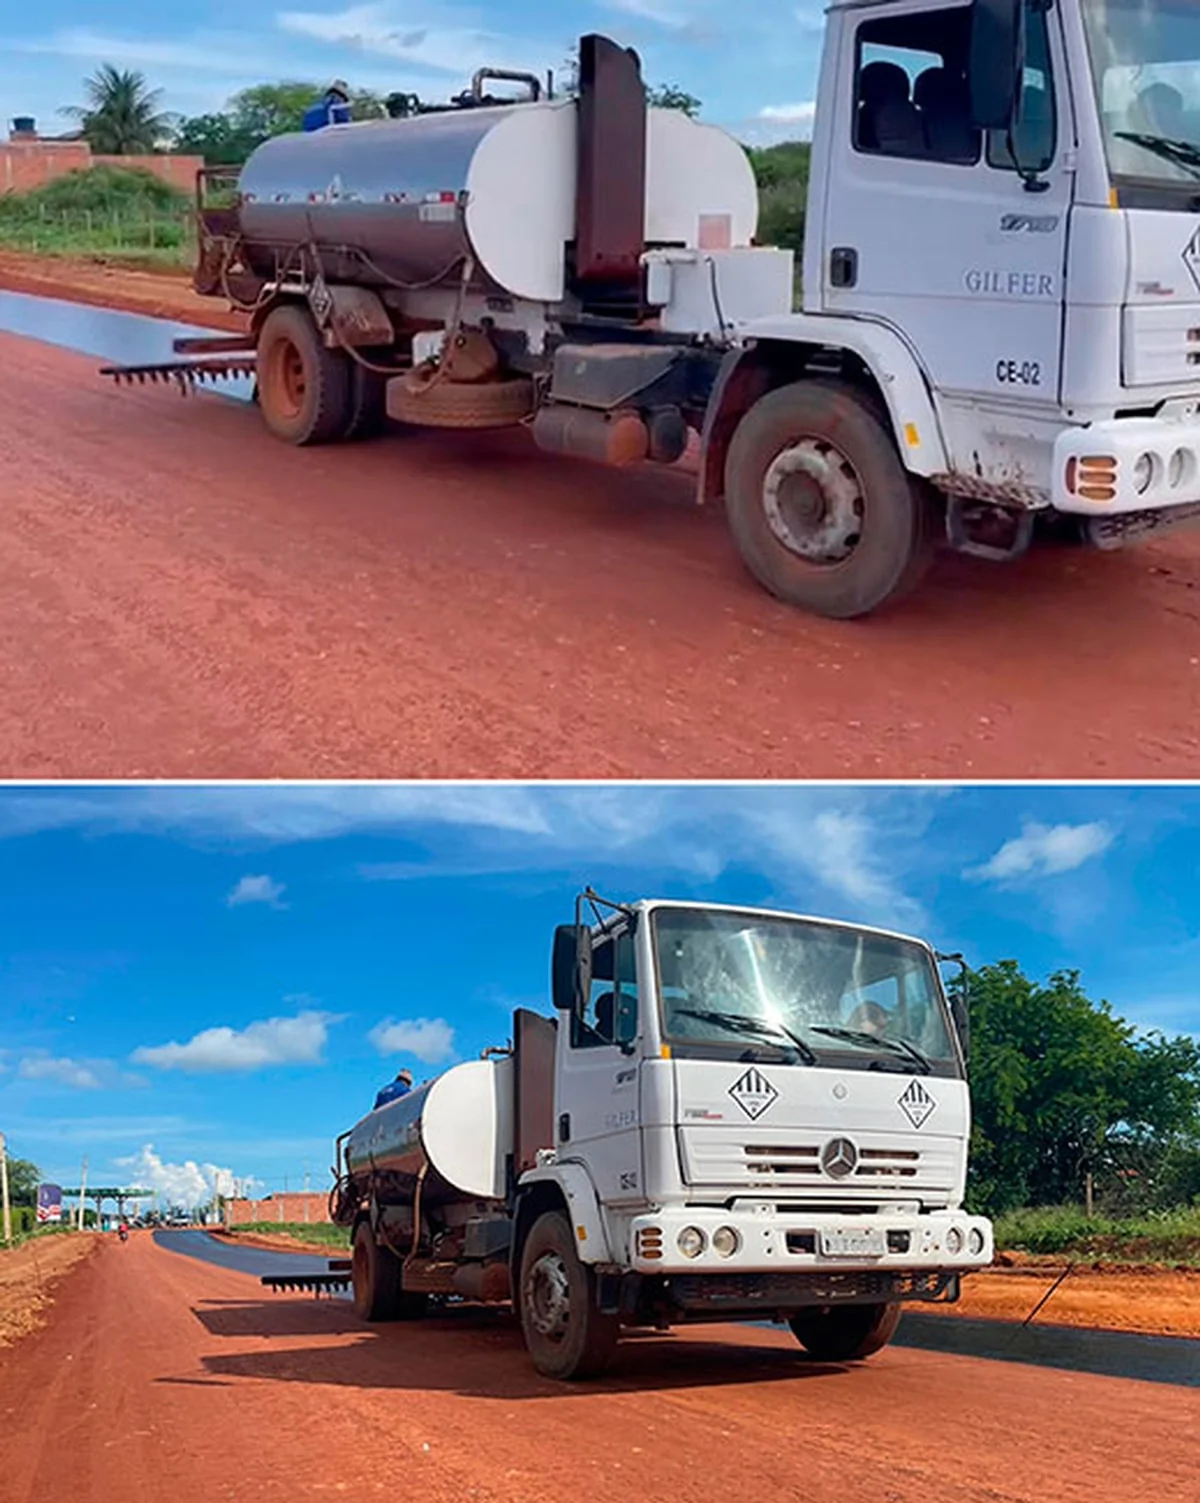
x=216 y=138
x=782 y=173
x=668 y=97
x=1062 y=1088
x=23 y=1179
x=122 y=115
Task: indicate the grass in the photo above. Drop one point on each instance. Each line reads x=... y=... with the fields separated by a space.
x=319 y=1233
x=1170 y=1237
x=109 y=212
x=20 y=1238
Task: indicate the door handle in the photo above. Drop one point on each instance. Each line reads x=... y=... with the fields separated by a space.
x=843 y=266
x=564 y=1128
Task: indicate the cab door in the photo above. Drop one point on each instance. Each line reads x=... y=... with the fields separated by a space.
x=929 y=227
x=598 y=1115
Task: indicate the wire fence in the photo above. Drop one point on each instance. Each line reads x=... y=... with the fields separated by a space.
x=166 y=235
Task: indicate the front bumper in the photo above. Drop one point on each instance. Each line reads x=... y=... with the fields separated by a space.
x=1129 y=465
x=770 y=1241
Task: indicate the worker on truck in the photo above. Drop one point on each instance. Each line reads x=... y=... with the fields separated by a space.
x=333 y=108
x=399 y=1087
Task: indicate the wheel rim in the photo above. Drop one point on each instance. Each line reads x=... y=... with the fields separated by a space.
x=287 y=379
x=548 y=1297
x=814 y=502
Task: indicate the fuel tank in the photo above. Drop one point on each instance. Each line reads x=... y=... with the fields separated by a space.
x=461 y=1124
x=401 y=202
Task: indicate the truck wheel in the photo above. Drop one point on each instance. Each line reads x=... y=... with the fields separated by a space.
x=453 y=404
x=845 y=1332
x=823 y=512
x=376 y=1274
x=566 y=1334
x=368 y=404
x=304 y=390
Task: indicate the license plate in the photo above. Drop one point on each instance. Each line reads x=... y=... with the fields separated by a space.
x=856 y=1244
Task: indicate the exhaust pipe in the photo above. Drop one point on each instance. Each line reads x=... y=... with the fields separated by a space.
x=485 y=1283
x=613 y=438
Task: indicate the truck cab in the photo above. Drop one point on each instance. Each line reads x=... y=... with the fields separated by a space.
x=1002 y=260
x=757 y=1113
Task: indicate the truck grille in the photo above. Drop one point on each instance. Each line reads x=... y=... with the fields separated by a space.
x=711 y=1156
x=873 y=1163
x=1161 y=346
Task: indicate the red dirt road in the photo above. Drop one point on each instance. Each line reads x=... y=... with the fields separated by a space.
x=159 y=1375
x=182 y=596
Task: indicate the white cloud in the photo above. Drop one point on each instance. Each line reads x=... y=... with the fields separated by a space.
x=1045 y=851
x=380 y=30
x=194 y=54
x=673 y=17
x=257 y=890
x=789 y=114
x=273 y=815
x=188 y=1184
x=299 y=1040
x=431 y=1040
x=63 y=1072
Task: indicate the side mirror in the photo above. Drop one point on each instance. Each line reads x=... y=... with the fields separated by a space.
x=996 y=66
x=564 y=968
x=627 y=1020
x=962 y=1022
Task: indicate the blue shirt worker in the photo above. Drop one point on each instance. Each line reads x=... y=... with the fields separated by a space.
x=332 y=109
x=399 y=1087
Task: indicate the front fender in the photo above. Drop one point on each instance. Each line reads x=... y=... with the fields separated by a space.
x=578 y=1194
x=775 y=352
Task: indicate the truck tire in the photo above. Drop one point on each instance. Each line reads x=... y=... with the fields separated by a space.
x=823 y=513
x=565 y=1333
x=376 y=1276
x=368 y=404
x=845 y=1333
x=456 y=404
x=305 y=391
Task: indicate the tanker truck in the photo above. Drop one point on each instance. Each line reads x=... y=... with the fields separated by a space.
x=1000 y=329
x=733 y=1115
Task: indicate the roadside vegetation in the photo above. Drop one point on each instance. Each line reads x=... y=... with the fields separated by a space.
x=319 y=1233
x=106 y=211
x=1166 y=1237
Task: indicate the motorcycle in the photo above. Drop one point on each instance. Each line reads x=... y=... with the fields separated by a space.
x=123 y=1234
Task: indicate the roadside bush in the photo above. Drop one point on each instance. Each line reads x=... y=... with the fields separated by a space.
x=1156 y=1237
x=104 y=210
x=319 y=1233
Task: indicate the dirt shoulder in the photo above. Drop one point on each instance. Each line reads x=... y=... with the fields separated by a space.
x=280 y=1242
x=29 y=1276
x=1100 y=1297
x=101 y=284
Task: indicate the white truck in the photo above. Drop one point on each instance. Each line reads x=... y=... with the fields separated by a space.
x=735 y=1115
x=1000 y=323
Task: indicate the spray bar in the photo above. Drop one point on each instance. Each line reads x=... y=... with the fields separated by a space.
x=184 y=374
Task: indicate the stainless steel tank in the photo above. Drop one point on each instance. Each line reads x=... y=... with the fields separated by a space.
x=460 y=1125
x=415 y=196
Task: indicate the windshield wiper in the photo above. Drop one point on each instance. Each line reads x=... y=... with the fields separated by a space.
x=873 y=1041
x=760 y=1027
x=1181 y=153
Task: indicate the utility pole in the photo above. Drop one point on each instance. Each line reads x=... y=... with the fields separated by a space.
x=82 y=1194
x=4 y=1190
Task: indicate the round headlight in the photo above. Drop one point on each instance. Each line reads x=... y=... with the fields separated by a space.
x=954 y=1241
x=691 y=1241
x=726 y=1241
x=1143 y=473
x=975 y=1241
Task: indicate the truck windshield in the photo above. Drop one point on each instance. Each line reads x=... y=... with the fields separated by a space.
x=1146 y=64
x=874 y=1001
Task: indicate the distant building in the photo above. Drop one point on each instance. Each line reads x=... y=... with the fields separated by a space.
x=29 y=160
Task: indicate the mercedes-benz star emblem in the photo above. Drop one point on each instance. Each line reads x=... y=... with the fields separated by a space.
x=839 y=1158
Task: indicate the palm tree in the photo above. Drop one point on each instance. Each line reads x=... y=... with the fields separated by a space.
x=121 y=116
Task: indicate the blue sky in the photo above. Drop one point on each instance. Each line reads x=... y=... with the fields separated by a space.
x=753 y=65
x=212 y=977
